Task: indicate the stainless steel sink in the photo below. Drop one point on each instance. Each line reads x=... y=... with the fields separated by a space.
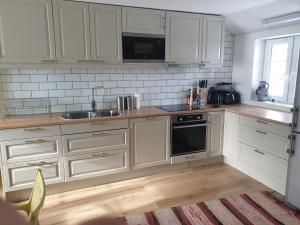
x=90 y=115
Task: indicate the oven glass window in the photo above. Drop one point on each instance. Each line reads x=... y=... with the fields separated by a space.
x=188 y=140
x=143 y=48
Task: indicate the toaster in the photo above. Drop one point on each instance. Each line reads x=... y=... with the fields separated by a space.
x=223 y=93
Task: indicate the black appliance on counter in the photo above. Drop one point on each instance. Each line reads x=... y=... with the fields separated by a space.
x=141 y=48
x=223 y=93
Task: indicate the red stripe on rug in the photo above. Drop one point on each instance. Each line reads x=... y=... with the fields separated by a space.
x=151 y=218
x=209 y=214
x=261 y=210
x=236 y=212
x=281 y=204
x=181 y=216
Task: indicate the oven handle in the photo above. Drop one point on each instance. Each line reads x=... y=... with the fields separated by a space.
x=195 y=125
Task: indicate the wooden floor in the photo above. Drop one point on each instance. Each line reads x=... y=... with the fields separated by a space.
x=147 y=193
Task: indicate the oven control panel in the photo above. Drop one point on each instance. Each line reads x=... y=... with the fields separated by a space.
x=190 y=117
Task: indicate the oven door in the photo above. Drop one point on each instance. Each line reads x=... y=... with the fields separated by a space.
x=143 y=49
x=188 y=138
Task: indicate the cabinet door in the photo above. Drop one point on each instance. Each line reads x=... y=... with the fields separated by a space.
x=144 y=21
x=183 y=37
x=231 y=124
x=26 y=31
x=215 y=134
x=72 y=32
x=213 y=40
x=150 y=141
x=105 y=33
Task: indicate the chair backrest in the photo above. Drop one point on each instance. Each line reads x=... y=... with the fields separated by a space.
x=37 y=197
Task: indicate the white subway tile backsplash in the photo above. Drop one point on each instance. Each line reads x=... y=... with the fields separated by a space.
x=71 y=89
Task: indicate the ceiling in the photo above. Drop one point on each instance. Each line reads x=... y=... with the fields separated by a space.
x=242 y=16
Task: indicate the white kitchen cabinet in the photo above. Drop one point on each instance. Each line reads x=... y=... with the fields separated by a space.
x=19 y=176
x=105 y=25
x=264 y=167
x=150 y=141
x=31 y=149
x=231 y=128
x=215 y=133
x=183 y=37
x=97 y=164
x=213 y=40
x=26 y=31
x=95 y=142
x=143 y=21
x=72 y=31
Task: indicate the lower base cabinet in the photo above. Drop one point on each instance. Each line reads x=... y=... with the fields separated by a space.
x=22 y=175
x=264 y=167
x=215 y=134
x=98 y=164
x=150 y=141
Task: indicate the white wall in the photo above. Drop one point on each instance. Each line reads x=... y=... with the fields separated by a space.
x=244 y=68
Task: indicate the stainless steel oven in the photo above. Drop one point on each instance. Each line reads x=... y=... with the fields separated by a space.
x=189 y=135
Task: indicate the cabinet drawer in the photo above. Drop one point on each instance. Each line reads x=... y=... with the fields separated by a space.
x=265 y=126
x=98 y=164
x=94 y=126
x=22 y=175
x=32 y=132
x=95 y=142
x=31 y=149
x=271 y=143
x=266 y=168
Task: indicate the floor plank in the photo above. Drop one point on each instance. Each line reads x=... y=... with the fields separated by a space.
x=147 y=193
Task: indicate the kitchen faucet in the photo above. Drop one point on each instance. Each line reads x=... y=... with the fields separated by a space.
x=93 y=97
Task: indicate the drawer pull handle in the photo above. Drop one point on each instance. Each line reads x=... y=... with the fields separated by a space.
x=98 y=123
x=34 y=129
x=151 y=118
x=84 y=61
x=100 y=134
x=260 y=132
x=261 y=121
x=259 y=152
x=49 y=60
x=101 y=154
x=38 y=141
x=41 y=163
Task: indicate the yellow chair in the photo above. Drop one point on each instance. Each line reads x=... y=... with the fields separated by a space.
x=33 y=205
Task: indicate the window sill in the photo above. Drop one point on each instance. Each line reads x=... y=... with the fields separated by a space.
x=272 y=105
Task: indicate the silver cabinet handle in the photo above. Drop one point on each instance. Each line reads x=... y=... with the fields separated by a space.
x=260 y=132
x=261 y=121
x=259 y=152
x=40 y=163
x=84 y=61
x=102 y=154
x=49 y=60
x=151 y=118
x=99 y=61
x=100 y=134
x=99 y=123
x=34 y=129
x=37 y=141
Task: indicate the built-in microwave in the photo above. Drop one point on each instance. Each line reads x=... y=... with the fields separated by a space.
x=139 y=48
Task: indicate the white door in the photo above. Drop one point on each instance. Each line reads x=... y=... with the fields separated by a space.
x=213 y=40
x=150 y=141
x=215 y=134
x=183 y=37
x=26 y=31
x=143 y=21
x=105 y=26
x=72 y=32
x=231 y=125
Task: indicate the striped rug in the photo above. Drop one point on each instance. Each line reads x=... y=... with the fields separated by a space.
x=254 y=208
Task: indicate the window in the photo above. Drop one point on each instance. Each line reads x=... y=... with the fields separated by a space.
x=280 y=67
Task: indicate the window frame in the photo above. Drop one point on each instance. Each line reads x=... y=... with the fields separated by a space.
x=266 y=66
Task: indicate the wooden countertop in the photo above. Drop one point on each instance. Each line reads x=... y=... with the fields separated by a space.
x=279 y=117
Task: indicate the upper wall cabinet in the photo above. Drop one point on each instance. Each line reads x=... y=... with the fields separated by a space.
x=144 y=21
x=213 y=40
x=26 y=31
x=105 y=26
x=183 y=37
x=72 y=31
